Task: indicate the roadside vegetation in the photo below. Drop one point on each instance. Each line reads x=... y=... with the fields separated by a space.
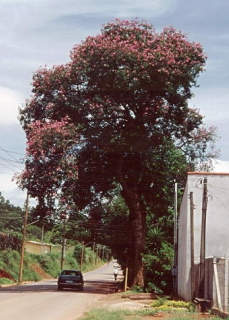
x=77 y=255
x=133 y=305
x=37 y=267
x=105 y=314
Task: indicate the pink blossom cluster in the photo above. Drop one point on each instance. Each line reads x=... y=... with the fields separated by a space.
x=168 y=52
x=203 y=134
x=42 y=136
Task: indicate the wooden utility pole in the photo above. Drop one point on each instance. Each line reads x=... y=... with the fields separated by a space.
x=82 y=255
x=192 y=245
x=63 y=246
x=94 y=254
x=175 y=215
x=42 y=232
x=126 y=279
x=175 y=244
x=203 y=239
x=20 y=275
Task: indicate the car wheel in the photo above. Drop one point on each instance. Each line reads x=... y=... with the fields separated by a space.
x=60 y=288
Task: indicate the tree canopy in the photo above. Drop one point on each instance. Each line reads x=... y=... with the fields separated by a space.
x=115 y=116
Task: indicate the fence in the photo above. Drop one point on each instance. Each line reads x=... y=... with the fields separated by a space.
x=216 y=283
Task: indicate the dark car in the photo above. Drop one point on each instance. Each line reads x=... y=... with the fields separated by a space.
x=72 y=279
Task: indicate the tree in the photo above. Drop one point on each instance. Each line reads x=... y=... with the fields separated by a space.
x=111 y=117
x=10 y=216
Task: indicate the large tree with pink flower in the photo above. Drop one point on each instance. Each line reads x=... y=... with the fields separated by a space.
x=109 y=118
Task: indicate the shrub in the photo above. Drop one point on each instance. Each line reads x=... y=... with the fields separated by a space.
x=163 y=304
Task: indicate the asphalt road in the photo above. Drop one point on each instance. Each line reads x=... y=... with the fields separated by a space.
x=42 y=301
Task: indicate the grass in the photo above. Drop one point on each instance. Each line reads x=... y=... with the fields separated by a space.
x=6 y=281
x=104 y=314
x=185 y=316
x=9 y=262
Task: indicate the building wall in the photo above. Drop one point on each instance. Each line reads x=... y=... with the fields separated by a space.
x=40 y=248
x=217 y=224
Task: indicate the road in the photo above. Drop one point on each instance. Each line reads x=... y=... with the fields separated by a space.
x=42 y=301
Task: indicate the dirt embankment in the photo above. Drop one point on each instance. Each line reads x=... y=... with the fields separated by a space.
x=44 y=275
x=4 y=274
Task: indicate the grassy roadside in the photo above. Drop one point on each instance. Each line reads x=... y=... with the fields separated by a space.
x=37 y=267
x=140 y=307
x=105 y=314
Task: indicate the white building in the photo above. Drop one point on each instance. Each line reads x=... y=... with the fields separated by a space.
x=217 y=224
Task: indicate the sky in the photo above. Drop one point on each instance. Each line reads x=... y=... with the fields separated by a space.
x=36 y=33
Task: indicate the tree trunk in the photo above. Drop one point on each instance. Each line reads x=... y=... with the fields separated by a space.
x=137 y=225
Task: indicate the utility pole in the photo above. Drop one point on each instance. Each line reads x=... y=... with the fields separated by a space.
x=175 y=231
x=175 y=215
x=192 y=245
x=82 y=255
x=42 y=232
x=203 y=239
x=126 y=279
x=63 y=246
x=94 y=254
x=20 y=275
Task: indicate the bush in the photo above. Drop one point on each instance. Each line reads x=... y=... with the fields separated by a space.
x=158 y=264
x=50 y=263
x=163 y=304
x=71 y=262
x=77 y=252
x=10 y=262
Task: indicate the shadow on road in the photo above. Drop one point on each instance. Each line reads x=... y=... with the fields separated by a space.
x=103 y=287
x=90 y=287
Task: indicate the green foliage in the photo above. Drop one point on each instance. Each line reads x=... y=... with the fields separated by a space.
x=146 y=312
x=185 y=316
x=114 y=232
x=10 y=260
x=77 y=252
x=162 y=304
x=158 y=265
x=10 y=216
x=105 y=314
x=50 y=263
x=33 y=232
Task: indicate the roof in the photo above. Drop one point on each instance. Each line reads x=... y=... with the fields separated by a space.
x=203 y=173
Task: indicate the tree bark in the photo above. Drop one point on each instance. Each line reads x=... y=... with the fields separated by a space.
x=137 y=225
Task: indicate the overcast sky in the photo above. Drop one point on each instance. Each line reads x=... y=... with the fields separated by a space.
x=35 y=33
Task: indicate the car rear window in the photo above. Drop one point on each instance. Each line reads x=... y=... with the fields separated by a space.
x=70 y=273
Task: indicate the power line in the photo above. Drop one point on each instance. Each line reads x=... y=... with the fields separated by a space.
x=12 y=160
x=9 y=151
